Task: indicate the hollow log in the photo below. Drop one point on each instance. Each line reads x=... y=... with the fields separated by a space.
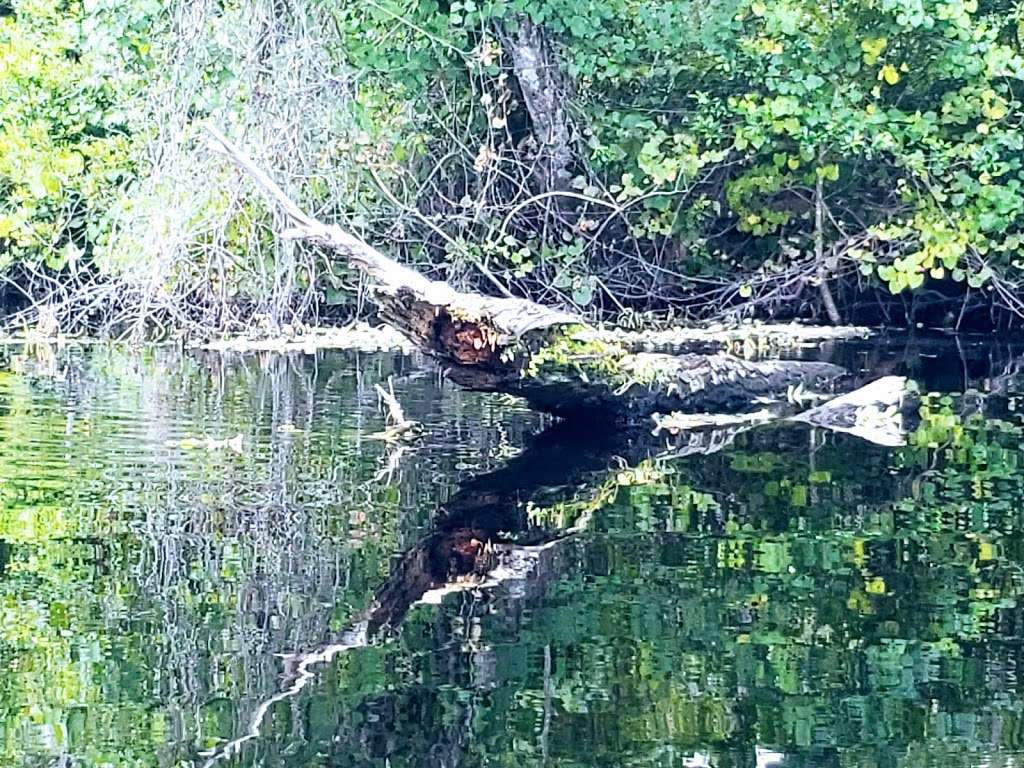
x=554 y=359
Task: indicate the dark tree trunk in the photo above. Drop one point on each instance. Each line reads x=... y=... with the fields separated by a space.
x=545 y=90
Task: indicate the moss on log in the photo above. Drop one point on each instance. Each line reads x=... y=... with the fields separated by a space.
x=568 y=372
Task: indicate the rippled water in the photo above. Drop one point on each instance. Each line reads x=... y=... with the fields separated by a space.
x=210 y=560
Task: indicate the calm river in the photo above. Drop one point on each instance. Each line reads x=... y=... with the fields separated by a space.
x=215 y=560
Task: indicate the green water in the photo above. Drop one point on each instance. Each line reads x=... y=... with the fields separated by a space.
x=777 y=596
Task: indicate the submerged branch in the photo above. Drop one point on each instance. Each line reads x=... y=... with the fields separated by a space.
x=399 y=426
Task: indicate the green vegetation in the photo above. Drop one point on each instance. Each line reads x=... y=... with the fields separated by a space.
x=108 y=575
x=789 y=157
x=66 y=78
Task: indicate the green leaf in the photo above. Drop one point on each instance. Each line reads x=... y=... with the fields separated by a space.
x=583 y=294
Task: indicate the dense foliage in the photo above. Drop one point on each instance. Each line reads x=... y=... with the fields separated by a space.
x=791 y=157
x=65 y=80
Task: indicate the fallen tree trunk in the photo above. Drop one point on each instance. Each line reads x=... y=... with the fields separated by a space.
x=553 y=359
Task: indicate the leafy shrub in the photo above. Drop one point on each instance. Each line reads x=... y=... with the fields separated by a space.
x=725 y=151
x=67 y=77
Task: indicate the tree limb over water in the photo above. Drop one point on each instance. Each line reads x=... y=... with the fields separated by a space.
x=554 y=359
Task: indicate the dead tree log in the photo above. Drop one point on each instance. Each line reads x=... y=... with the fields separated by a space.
x=881 y=412
x=553 y=359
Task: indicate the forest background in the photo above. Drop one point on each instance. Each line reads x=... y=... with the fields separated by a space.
x=636 y=160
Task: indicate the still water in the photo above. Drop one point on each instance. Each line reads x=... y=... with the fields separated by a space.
x=210 y=560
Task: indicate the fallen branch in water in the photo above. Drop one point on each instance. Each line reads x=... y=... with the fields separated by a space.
x=399 y=427
x=878 y=412
x=553 y=359
x=490 y=536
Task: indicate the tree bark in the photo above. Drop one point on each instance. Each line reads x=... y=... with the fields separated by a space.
x=553 y=359
x=545 y=91
x=827 y=299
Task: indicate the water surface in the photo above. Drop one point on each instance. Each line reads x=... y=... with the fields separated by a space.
x=775 y=596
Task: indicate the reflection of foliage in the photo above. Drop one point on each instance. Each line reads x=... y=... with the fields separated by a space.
x=848 y=612
x=144 y=588
x=845 y=604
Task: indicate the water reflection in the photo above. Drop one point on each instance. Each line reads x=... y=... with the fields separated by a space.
x=774 y=594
